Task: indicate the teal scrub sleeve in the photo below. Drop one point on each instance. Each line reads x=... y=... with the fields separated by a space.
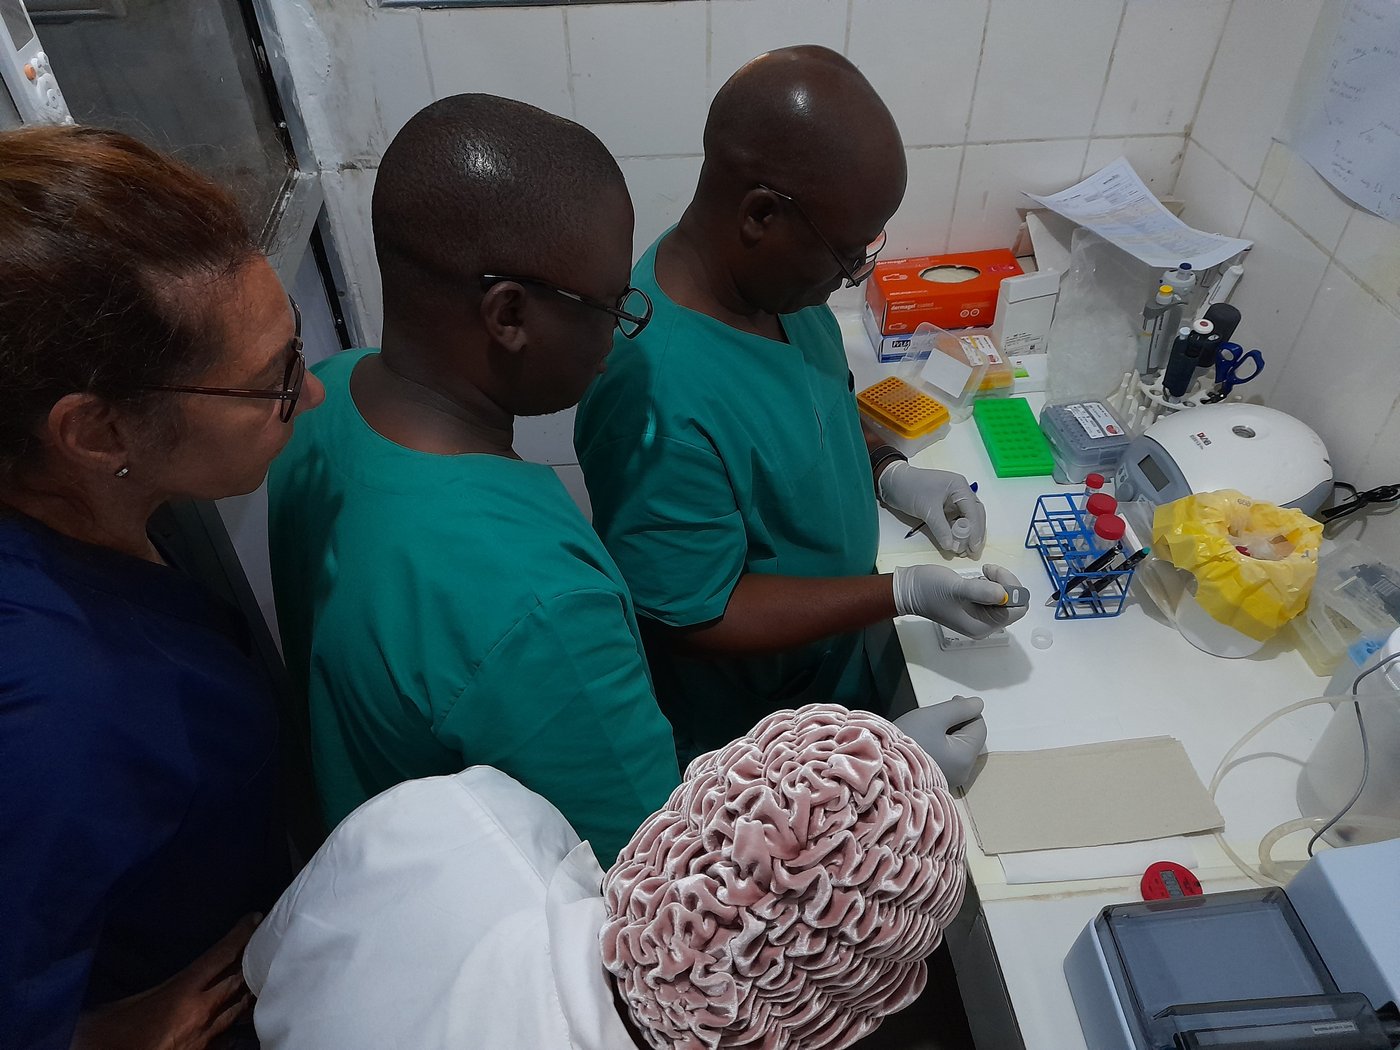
x=563 y=704
x=668 y=515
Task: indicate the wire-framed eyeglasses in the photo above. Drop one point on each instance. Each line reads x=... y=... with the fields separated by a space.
x=855 y=275
x=293 y=379
x=631 y=313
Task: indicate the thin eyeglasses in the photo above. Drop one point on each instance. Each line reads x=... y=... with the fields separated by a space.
x=631 y=314
x=856 y=275
x=292 y=379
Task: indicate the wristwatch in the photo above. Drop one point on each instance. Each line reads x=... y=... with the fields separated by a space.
x=882 y=455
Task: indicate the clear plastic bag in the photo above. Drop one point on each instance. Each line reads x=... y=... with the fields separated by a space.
x=1098 y=317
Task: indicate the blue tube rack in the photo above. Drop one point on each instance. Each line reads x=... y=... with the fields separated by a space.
x=1062 y=532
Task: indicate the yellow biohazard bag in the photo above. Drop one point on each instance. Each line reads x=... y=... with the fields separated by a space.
x=1254 y=563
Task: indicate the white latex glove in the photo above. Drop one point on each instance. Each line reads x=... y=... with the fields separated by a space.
x=938 y=498
x=953 y=733
x=974 y=608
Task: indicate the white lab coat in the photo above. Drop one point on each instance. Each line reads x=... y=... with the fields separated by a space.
x=454 y=912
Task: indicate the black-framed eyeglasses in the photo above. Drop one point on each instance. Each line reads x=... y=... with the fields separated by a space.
x=292 y=379
x=631 y=314
x=855 y=275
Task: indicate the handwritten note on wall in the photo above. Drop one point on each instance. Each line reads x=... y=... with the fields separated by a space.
x=1349 y=127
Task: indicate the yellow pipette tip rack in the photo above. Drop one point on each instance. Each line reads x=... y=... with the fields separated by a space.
x=901 y=408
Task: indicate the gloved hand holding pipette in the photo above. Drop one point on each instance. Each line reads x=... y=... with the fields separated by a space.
x=939 y=498
x=953 y=733
x=972 y=607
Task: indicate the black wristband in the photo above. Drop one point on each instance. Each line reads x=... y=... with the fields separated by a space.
x=882 y=454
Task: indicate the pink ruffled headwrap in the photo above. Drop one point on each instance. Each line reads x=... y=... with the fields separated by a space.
x=788 y=892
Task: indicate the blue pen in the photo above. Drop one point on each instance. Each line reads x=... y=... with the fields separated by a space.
x=919 y=526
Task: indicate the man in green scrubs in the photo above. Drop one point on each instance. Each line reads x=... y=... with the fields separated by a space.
x=443 y=603
x=725 y=460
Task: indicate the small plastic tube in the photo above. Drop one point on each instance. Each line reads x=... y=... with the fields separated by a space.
x=962 y=530
x=1101 y=503
x=1092 y=484
x=1041 y=638
x=1108 y=531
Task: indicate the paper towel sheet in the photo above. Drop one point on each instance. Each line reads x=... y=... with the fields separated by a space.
x=1090 y=795
x=1095 y=862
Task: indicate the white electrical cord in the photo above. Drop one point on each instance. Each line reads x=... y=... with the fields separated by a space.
x=1270 y=872
x=1257 y=876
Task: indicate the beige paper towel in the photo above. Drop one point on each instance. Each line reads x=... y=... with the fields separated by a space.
x=1090 y=795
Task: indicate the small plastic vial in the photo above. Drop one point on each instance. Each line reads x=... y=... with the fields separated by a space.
x=1108 y=531
x=962 y=530
x=1101 y=503
x=1093 y=483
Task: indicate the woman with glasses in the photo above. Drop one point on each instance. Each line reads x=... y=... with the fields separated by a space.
x=443 y=602
x=147 y=353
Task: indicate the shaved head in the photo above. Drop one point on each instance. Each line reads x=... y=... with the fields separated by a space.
x=803 y=169
x=478 y=184
x=805 y=120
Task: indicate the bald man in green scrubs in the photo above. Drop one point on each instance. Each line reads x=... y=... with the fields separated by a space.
x=443 y=603
x=725 y=461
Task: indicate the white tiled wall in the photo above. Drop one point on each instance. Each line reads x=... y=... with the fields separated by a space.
x=1158 y=65
x=740 y=29
x=992 y=96
x=1043 y=69
x=358 y=78
x=640 y=74
x=993 y=176
x=515 y=52
x=1250 y=86
x=923 y=59
x=1321 y=291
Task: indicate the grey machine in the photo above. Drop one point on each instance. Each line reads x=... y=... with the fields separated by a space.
x=1315 y=967
x=1260 y=451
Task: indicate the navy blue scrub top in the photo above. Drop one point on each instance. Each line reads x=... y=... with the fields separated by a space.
x=138 y=778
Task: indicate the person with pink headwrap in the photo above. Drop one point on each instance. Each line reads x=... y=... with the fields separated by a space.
x=785 y=898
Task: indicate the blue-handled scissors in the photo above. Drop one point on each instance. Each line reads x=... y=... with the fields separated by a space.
x=1230 y=360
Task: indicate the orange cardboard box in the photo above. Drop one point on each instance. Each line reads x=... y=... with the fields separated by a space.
x=950 y=291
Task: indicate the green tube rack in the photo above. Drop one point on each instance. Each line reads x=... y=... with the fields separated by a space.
x=1012 y=437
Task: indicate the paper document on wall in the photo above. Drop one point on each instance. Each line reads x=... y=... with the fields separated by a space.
x=1117 y=205
x=1348 y=126
x=1090 y=795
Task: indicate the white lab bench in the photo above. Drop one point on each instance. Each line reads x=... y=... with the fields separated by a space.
x=1102 y=679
